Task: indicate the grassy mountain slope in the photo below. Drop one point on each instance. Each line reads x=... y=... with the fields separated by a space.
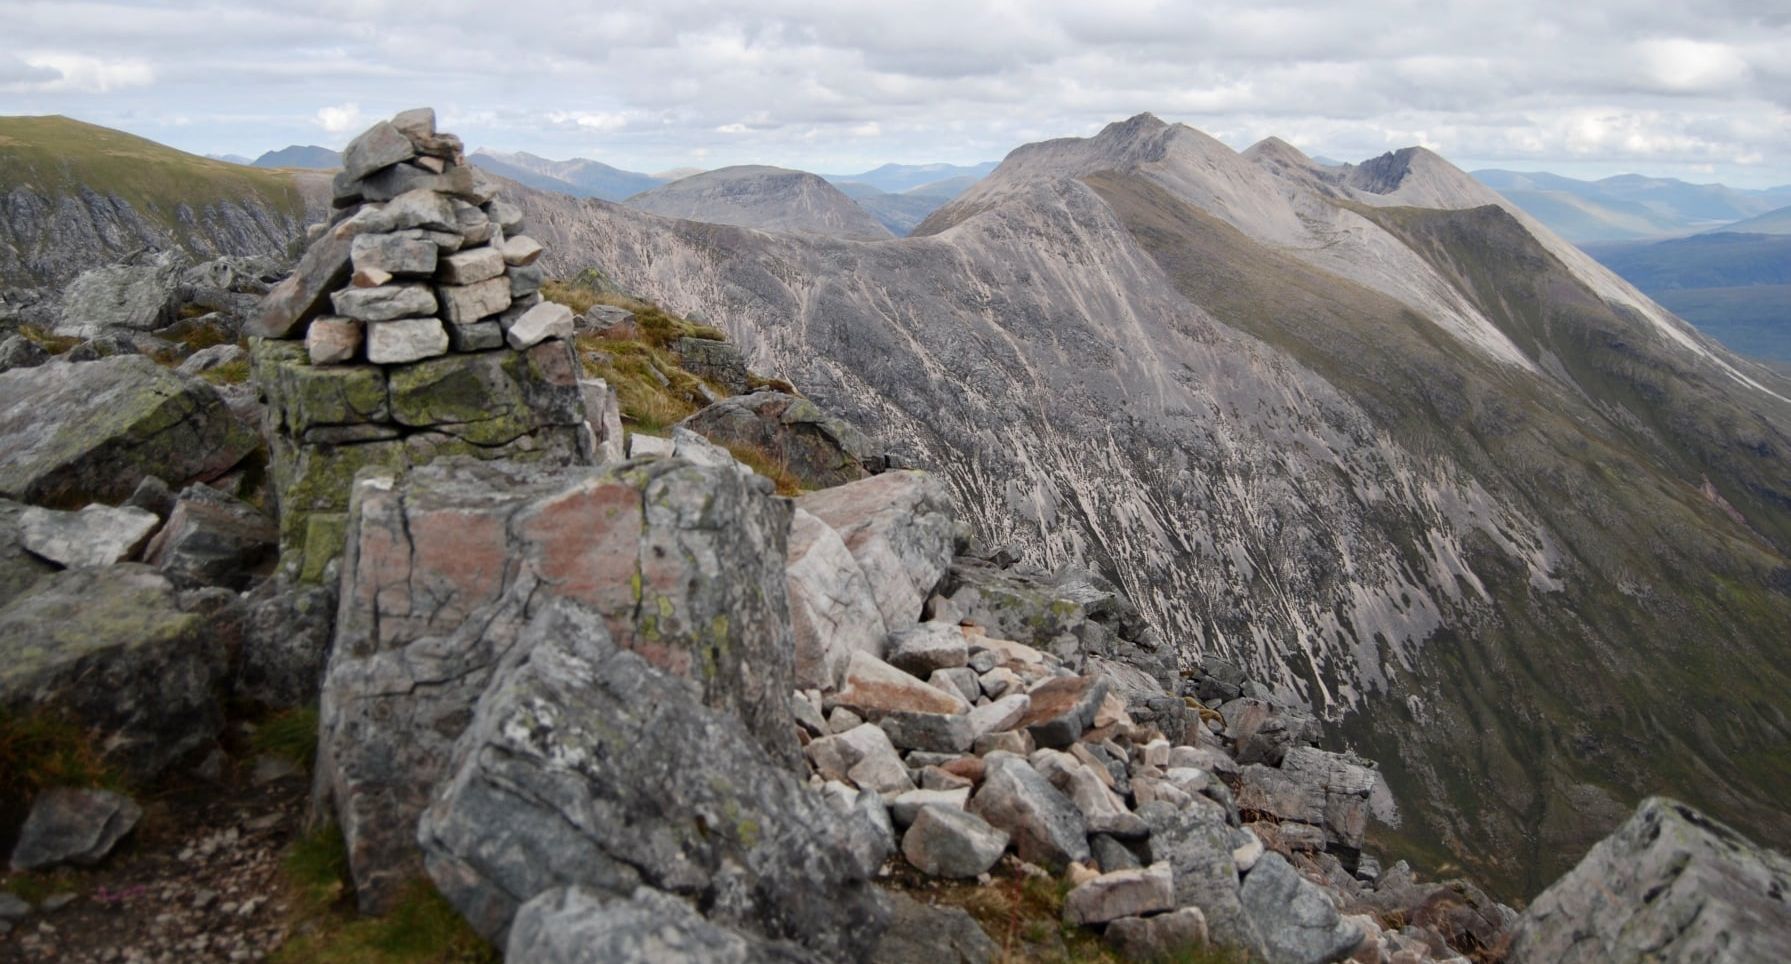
x=1734 y=287
x=78 y=195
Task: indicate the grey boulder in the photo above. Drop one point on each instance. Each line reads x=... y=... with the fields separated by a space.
x=213 y=539
x=820 y=450
x=898 y=526
x=98 y=535
x=1670 y=885
x=949 y=842
x=586 y=765
x=573 y=925
x=1046 y=827
x=73 y=826
x=1297 y=921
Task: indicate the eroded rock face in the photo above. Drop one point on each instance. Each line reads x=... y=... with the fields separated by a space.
x=585 y=764
x=683 y=562
x=111 y=650
x=1670 y=885
x=1298 y=923
x=75 y=434
x=832 y=611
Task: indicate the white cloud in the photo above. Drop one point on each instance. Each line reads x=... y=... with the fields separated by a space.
x=341 y=118
x=77 y=74
x=1691 y=66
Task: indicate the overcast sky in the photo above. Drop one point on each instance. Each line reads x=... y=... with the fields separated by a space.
x=1580 y=87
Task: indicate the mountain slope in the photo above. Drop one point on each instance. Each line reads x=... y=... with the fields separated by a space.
x=1734 y=287
x=1777 y=221
x=901 y=178
x=311 y=156
x=578 y=177
x=77 y=196
x=1510 y=527
x=766 y=198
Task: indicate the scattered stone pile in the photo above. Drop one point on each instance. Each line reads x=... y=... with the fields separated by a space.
x=412 y=328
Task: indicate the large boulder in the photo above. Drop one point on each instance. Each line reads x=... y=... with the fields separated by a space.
x=213 y=539
x=715 y=361
x=1263 y=732
x=111 y=650
x=832 y=613
x=1297 y=921
x=684 y=562
x=75 y=434
x=139 y=297
x=97 y=535
x=1327 y=790
x=572 y=925
x=287 y=627
x=1045 y=826
x=820 y=450
x=1198 y=847
x=73 y=826
x=1670 y=885
x=931 y=934
x=585 y=764
x=899 y=527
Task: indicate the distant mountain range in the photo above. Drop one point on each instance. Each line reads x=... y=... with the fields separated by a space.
x=900 y=178
x=1629 y=207
x=579 y=177
x=301 y=156
x=1736 y=287
x=767 y=198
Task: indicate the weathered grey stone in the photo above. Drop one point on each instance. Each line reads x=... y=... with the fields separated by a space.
x=111 y=650
x=98 y=535
x=908 y=805
x=325 y=267
x=488 y=398
x=899 y=527
x=381 y=145
x=1046 y=827
x=1262 y=732
x=471 y=266
x=478 y=336
x=521 y=250
x=603 y=412
x=872 y=688
x=465 y=304
x=930 y=732
x=820 y=450
x=927 y=647
x=832 y=613
x=525 y=281
x=1110 y=854
x=385 y=303
x=1197 y=845
x=1297 y=922
x=1063 y=708
x=1103 y=811
x=333 y=340
x=138 y=297
x=1163 y=937
x=722 y=363
x=475 y=225
x=73 y=826
x=90 y=433
x=545 y=320
x=419 y=175
x=575 y=770
x=1669 y=885
x=213 y=539
x=684 y=562
x=947 y=841
x=17 y=351
x=286 y=633
x=19 y=569
x=405 y=340
x=926 y=934
x=507 y=215
x=871 y=833
x=395 y=254
x=1327 y=790
x=417 y=124
x=575 y=925
x=1121 y=893
x=862 y=755
x=415 y=210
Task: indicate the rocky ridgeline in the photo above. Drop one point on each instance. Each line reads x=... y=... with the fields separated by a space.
x=645 y=708
x=412 y=328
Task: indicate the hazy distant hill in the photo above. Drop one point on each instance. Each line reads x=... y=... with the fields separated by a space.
x=579 y=177
x=767 y=198
x=1628 y=206
x=897 y=178
x=1734 y=287
x=306 y=156
x=902 y=212
x=1772 y=222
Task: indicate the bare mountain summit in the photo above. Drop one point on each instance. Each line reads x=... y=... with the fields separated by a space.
x=766 y=198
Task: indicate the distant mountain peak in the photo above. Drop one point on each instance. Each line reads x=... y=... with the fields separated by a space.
x=1274 y=149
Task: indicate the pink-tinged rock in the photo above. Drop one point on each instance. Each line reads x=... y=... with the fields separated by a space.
x=1062 y=708
x=898 y=526
x=831 y=610
x=465 y=304
x=873 y=687
x=333 y=340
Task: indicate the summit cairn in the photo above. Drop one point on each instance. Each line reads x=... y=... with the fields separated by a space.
x=412 y=328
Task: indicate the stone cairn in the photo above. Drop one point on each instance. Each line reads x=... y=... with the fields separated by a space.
x=412 y=328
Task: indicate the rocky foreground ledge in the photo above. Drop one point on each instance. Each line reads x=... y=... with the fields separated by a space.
x=611 y=696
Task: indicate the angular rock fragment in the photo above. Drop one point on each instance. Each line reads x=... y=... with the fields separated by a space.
x=471 y=266
x=873 y=687
x=949 y=842
x=333 y=340
x=98 y=535
x=819 y=450
x=1162 y=937
x=863 y=756
x=1122 y=893
x=405 y=340
x=545 y=320
x=382 y=145
x=1063 y=708
x=832 y=613
x=1296 y=921
x=73 y=826
x=385 y=303
x=212 y=539
x=465 y=304
x=898 y=526
x=1046 y=827
x=920 y=650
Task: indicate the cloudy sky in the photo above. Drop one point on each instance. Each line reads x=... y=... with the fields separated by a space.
x=1587 y=87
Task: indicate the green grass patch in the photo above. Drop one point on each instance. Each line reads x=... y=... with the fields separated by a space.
x=34 y=886
x=229 y=373
x=768 y=465
x=39 y=750
x=290 y=735
x=422 y=929
x=54 y=344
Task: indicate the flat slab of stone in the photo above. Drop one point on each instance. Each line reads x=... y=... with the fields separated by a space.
x=920 y=650
x=98 y=535
x=946 y=841
x=1063 y=708
x=1122 y=893
x=898 y=526
x=73 y=826
x=546 y=320
x=873 y=687
x=405 y=340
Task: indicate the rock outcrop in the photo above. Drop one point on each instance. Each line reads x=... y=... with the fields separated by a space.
x=1670 y=885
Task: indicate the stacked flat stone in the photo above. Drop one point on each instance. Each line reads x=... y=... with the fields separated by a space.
x=412 y=328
